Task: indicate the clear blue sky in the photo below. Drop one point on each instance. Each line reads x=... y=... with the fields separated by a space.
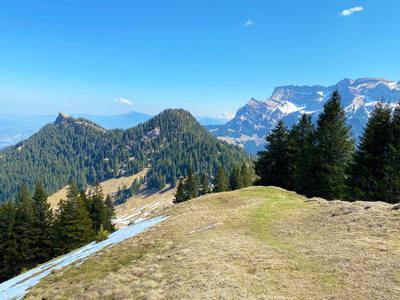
x=207 y=56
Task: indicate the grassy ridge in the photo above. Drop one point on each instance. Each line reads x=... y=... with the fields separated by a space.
x=272 y=244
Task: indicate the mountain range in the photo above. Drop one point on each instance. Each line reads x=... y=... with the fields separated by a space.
x=256 y=119
x=15 y=128
x=167 y=144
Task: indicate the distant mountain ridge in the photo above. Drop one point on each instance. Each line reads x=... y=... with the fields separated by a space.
x=15 y=128
x=255 y=120
x=80 y=149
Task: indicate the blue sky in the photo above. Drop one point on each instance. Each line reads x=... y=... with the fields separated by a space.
x=206 y=56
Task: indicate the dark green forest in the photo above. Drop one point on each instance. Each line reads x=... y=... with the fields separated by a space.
x=31 y=233
x=321 y=160
x=82 y=150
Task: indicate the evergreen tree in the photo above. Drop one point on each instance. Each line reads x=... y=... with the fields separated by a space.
x=97 y=210
x=190 y=185
x=9 y=254
x=301 y=147
x=23 y=227
x=272 y=166
x=102 y=235
x=110 y=215
x=73 y=227
x=334 y=147
x=41 y=225
x=220 y=182
x=245 y=174
x=205 y=184
x=235 y=179
x=369 y=174
x=395 y=150
x=180 y=192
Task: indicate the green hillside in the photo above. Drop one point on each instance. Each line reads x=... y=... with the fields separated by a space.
x=268 y=243
x=82 y=150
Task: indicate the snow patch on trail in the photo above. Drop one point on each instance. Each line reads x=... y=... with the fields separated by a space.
x=127 y=219
x=17 y=287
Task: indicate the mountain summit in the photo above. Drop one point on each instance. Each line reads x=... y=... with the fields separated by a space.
x=255 y=120
x=61 y=117
x=166 y=145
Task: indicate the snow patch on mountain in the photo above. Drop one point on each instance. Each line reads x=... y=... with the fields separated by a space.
x=288 y=103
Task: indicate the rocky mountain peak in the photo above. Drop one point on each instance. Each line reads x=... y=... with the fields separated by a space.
x=256 y=119
x=61 y=117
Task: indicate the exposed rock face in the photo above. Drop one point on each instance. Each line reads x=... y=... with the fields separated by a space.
x=256 y=119
x=61 y=117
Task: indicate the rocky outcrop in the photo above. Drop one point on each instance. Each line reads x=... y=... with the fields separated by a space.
x=61 y=118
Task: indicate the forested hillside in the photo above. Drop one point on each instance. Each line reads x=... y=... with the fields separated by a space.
x=81 y=150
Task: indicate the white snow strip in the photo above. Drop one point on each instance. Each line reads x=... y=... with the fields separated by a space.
x=289 y=108
x=17 y=287
x=122 y=219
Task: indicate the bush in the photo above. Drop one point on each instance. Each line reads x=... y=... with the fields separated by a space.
x=102 y=235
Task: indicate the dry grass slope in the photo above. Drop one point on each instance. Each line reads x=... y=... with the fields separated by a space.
x=273 y=244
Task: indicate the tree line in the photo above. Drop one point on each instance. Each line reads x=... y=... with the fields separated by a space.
x=32 y=233
x=321 y=159
x=192 y=186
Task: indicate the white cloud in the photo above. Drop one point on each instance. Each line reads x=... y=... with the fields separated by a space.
x=123 y=101
x=249 y=22
x=348 y=12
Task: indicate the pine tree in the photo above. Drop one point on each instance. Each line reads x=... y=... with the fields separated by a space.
x=301 y=145
x=334 y=147
x=190 y=185
x=245 y=174
x=9 y=255
x=272 y=166
x=24 y=226
x=395 y=150
x=235 y=179
x=220 y=182
x=205 y=184
x=97 y=209
x=180 y=192
x=73 y=227
x=369 y=174
x=110 y=215
x=41 y=225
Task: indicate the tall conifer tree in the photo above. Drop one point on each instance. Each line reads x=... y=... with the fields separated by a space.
x=235 y=178
x=24 y=226
x=221 y=183
x=301 y=154
x=41 y=223
x=190 y=185
x=272 y=166
x=9 y=262
x=205 y=184
x=245 y=174
x=334 y=147
x=180 y=192
x=73 y=226
x=369 y=174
